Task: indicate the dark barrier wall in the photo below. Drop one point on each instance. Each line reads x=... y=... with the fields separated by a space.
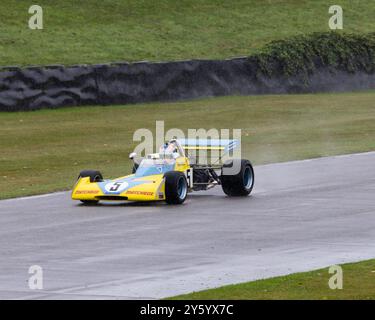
x=56 y=86
x=47 y=87
x=319 y=62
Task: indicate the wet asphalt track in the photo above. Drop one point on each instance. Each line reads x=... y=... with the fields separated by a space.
x=302 y=215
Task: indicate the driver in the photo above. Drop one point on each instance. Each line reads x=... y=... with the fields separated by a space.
x=169 y=148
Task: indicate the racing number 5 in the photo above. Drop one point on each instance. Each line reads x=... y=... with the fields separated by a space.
x=115 y=186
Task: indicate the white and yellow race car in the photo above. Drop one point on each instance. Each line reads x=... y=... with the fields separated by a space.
x=169 y=176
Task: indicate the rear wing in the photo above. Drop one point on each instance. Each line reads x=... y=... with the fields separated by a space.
x=225 y=145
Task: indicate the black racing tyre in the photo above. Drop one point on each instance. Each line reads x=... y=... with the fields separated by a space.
x=239 y=184
x=95 y=176
x=176 y=187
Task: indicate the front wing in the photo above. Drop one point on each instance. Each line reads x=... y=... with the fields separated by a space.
x=149 y=188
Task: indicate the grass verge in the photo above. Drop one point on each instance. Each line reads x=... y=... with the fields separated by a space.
x=358 y=283
x=98 y=31
x=43 y=151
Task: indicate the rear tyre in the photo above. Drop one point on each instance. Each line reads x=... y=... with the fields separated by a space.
x=176 y=187
x=95 y=176
x=239 y=184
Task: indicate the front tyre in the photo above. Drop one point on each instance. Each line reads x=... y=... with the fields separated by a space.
x=237 y=177
x=95 y=176
x=176 y=187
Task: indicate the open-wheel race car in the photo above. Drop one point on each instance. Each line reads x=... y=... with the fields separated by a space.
x=170 y=175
